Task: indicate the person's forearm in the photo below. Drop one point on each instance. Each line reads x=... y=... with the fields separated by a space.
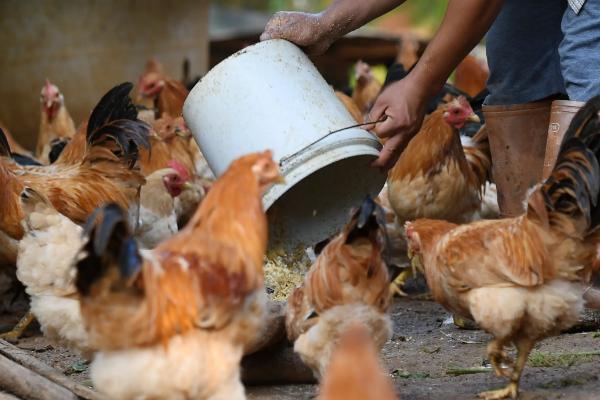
x=344 y=16
x=464 y=25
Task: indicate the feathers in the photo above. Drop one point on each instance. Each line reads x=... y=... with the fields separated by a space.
x=4 y=146
x=114 y=105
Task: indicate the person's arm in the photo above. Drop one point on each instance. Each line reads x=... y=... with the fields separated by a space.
x=316 y=32
x=404 y=102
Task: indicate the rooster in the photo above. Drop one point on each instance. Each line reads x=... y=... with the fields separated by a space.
x=55 y=121
x=173 y=322
x=367 y=87
x=45 y=266
x=164 y=93
x=521 y=278
x=355 y=372
x=348 y=282
x=435 y=176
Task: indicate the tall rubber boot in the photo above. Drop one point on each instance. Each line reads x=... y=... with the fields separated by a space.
x=561 y=114
x=517 y=135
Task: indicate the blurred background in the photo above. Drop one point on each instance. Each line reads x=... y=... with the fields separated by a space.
x=86 y=47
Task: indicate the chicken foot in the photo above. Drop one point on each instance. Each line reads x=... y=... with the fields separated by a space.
x=398 y=283
x=512 y=389
x=17 y=331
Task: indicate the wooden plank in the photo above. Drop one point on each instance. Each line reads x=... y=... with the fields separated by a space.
x=28 y=384
x=23 y=358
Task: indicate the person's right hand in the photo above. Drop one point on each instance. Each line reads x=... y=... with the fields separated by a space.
x=305 y=30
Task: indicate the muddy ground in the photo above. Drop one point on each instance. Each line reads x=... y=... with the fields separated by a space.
x=425 y=349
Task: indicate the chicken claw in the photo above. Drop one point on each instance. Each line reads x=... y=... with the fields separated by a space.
x=501 y=362
x=14 y=335
x=510 y=391
x=398 y=283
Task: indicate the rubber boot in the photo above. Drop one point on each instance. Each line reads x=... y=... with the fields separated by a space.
x=517 y=135
x=561 y=114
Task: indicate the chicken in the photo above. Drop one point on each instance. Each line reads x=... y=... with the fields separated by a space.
x=521 y=278
x=55 y=121
x=435 y=177
x=13 y=143
x=350 y=106
x=471 y=75
x=367 y=87
x=45 y=265
x=158 y=217
x=165 y=93
x=173 y=322
x=347 y=283
x=355 y=372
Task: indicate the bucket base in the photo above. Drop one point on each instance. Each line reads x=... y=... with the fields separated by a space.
x=319 y=205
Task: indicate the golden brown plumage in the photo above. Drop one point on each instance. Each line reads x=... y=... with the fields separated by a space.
x=204 y=285
x=520 y=278
x=348 y=281
x=15 y=146
x=350 y=106
x=55 y=121
x=367 y=87
x=471 y=75
x=166 y=93
x=355 y=372
x=433 y=178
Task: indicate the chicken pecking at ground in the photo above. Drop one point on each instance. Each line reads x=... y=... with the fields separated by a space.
x=521 y=278
x=173 y=322
x=56 y=124
x=161 y=92
x=435 y=176
x=347 y=283
x=355 y=372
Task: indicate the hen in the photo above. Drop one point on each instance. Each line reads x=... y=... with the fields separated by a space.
x=158 y=217
x=520 y=278
x=435 y=177
x=347 y=283
x=355 y=372
x=163 y=92
x=471 y=75
x=367 y=87
x=55 y=121
x=45 y=266
x=173 y=322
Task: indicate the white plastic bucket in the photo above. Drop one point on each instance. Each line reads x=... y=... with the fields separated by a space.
x=270 y=96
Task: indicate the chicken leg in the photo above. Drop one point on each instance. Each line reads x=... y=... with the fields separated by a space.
x=17 y=331
x=512 y=389
x=398 y=283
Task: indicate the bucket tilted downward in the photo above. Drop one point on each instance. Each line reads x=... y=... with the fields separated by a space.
x=270 y=96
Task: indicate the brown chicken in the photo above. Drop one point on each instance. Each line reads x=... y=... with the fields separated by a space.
x=14 y=144
x=173 y=322
x=471 y=75
x=55 y=121
x=347 y=283
x=435 y=176
x=520 y=278
x=350 y=106
x=367 y=87
x=163 y=92
x=355 y=372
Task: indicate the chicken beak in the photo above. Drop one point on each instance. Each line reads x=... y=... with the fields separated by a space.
x=473 y=118
x=187 y=186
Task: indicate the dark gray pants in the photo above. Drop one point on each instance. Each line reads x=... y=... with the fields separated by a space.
x=539 y=48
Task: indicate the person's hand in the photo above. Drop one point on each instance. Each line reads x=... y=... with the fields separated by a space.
x=308 y=31
x=402 y=105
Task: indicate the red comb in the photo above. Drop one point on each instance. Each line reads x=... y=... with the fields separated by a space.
x=180 y=168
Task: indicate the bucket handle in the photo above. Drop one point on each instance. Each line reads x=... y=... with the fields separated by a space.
x=284 y=159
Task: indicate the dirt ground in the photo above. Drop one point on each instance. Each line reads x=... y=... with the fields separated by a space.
x=426 y=347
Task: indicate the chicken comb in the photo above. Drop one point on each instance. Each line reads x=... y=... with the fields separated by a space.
x=180 y=168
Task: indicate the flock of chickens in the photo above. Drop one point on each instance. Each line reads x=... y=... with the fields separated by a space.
x=136 y=257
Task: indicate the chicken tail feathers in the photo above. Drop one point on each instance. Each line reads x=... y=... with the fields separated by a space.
x=573 y=187
x=109 y=245
x=114 y=105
